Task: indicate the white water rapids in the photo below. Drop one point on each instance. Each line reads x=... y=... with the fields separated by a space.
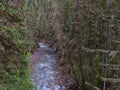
x=44 y=77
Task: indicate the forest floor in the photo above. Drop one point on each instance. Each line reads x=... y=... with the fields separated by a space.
x=47 y=73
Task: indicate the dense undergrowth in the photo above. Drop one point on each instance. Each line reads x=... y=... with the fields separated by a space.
x=84 y=33
x=14 y=49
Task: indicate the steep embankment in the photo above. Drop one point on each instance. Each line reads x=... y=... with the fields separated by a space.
x=14 y=49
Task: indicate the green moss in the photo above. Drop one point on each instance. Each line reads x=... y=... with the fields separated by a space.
x=14 y=78
x=14 y=55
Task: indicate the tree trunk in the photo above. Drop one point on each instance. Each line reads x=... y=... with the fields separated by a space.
x=108 y=41
x=78 y=31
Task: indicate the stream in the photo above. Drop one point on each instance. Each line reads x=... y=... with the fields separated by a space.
x=44 y=75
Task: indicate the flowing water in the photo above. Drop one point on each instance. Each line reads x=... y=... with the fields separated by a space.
x=44 y=76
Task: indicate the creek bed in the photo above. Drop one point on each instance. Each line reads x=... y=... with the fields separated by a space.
x=44 y=75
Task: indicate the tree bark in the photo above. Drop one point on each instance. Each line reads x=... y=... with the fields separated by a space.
x=108 y=41
x=78 y=31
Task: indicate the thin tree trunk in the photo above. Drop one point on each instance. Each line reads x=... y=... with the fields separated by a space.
x=78 y=31
x=108 y=41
